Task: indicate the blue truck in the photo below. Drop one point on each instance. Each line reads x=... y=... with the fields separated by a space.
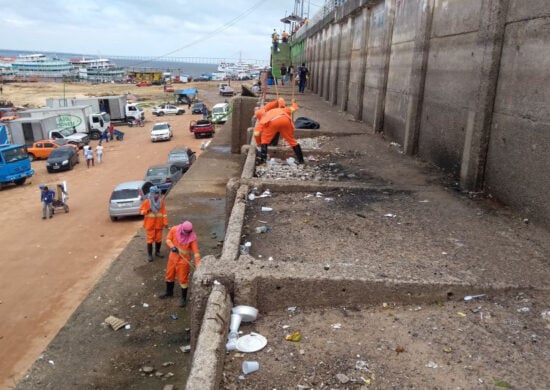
x=15 y=165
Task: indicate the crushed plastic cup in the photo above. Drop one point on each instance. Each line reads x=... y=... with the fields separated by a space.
x=264 y=208
x=468 y=298
x=262 y=229
x=250 y=366
x=245 y=248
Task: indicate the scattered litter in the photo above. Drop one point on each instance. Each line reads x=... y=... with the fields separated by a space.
x=399 y=349
x=295 y=336
x=252 y=342
x=524 y=310
x=249 y=366
x=185 y=348
x=262 y=229
x=342 y=378
x=251 y=196
x=319 y=195
x=51 y=362
x=265 y=194
x=174 y=316
x=424 y=201
x=336 y=326
x=291 y=161
x=145 y=305
x=270 y=258
x=361 y=365
x=166 y=364
x=432 y=364
x=147 y=369
x=267 y=208
x=367 y=381
x=245 y=248
x=545 y=315
x=468 y=298
x=390 y=215
x=326 y=267
x=291 y=309
x=116 y=323
x=461 y=314
x=127 y=327
x=499 y=383
x=329 y=199
x=447 y=350
x=286 y=326
x=444 y=253
x=241 y=377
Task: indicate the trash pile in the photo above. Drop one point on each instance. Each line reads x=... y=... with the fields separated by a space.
x=315 y=169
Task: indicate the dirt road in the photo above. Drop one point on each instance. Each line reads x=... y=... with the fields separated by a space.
x=48 y=266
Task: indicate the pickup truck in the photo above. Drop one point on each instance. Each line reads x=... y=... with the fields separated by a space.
x=226 y=90
x=202 y=128
x=168 y=109
x=72 y=137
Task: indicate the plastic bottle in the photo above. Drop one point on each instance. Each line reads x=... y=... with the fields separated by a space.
x=262 y=229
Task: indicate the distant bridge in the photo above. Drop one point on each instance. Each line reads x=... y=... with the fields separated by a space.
x=140 y=61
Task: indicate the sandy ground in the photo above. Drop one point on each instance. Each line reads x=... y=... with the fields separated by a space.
x=48 y=266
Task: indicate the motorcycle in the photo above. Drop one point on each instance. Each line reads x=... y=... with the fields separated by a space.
x=136 y=122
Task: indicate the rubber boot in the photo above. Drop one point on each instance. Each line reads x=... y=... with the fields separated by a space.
x=157 y=249
x=299 y=155
x=149 y=252
x=183 y=300
x=169 y=291
x=263 y=153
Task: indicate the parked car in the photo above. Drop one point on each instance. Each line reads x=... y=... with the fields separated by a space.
x=196 y=108
x=127 y=197
x=167 y=109
x=62 y=159
x=161 y=132
x=220 y=112
x=182 y=157
x=143 y=84
x=202 y=128
x=43 y=148
x=163 y=176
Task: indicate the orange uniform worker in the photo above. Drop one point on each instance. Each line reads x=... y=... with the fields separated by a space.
x=259 y=113
x=182 y=242
x=155 y=219
x=279 y=120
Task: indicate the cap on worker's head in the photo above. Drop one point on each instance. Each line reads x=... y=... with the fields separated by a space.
x=154 y=189
x=281 y=102
x=187 y=226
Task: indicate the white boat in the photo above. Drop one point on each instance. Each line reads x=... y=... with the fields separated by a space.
x=38 y=65
x=98 y=69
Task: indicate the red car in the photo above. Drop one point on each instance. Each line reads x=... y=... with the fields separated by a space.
x=143 y=84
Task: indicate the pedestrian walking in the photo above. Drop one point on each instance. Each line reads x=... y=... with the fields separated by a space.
x=204 y=111
x=111 y=131
x=291 y=73
x=302 y=74
x=89 y=155
x=283 y=74
x=155 y=219
x=46 y=197
x=99 y=152
x=182 y=242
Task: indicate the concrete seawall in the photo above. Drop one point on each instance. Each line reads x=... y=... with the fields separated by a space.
x=459 y=83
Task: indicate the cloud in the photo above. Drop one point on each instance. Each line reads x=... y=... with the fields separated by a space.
x=143 y=27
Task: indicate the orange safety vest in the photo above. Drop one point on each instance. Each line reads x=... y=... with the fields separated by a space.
x=153 y=220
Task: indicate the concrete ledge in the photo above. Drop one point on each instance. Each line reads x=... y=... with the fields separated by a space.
x=233 y=233
x=207 y=367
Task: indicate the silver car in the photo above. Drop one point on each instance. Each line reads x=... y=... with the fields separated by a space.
x=127 y=197
x=163 y=176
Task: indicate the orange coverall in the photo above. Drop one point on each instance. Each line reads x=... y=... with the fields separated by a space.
x=153 y=222
x=259 y=114
x=179 y=264
x=278 y=120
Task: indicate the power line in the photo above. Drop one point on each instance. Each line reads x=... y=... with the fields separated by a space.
x=220 y=29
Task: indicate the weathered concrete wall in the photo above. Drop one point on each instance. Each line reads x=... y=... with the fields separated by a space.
x=461 y=83
x=518 y=163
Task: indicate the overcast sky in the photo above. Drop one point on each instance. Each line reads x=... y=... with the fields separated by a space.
x=178 y=28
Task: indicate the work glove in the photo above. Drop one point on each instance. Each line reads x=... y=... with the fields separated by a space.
x=174 y=249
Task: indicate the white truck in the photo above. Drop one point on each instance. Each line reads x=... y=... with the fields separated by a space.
x=118 y=108
x=80 y=118
x=25 y=131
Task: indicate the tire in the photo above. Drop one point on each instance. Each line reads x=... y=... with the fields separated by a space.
x=161 y=113
x=21 y=181
x=113 y=218
x=95 y=135
x=197 y=136
x=66 y=208
x=31 y=156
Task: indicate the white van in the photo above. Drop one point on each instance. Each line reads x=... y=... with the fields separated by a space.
x=220 y=112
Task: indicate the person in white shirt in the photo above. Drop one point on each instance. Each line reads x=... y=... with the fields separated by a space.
x=99 y=152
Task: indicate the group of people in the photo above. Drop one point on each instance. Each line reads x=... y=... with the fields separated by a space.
x=89 y=154
x=272 y=119
x=181 y=240
x=275 y=39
